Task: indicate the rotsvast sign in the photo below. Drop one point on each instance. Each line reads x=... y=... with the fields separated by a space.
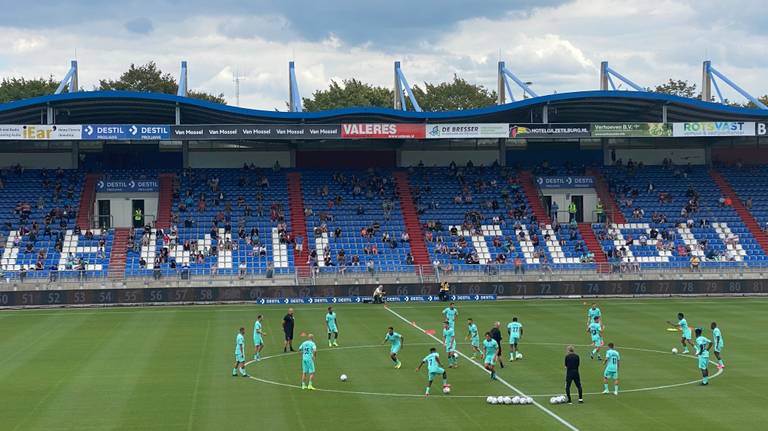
x=126 y=132
x=245 y=131
x=126 y=185
x=383 y=131
x=631 y=130
x=533 y=131
x=467 y=131
x=565 y=182
x=713 y=128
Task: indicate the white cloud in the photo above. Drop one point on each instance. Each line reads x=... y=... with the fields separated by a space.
x=558 y=48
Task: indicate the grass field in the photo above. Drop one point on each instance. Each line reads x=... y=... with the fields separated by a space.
x=169 y=369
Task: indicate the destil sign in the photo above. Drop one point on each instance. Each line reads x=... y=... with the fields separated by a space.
x=383 y=131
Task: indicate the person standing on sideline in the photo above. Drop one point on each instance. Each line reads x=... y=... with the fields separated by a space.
x=496 y=335
x=288 y=325
x=554 y=208
x=572 y=211
x=572 y=374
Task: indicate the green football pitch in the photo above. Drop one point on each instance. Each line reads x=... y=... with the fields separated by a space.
x=169 y=368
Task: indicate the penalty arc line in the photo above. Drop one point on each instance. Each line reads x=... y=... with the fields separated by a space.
x=499 y=379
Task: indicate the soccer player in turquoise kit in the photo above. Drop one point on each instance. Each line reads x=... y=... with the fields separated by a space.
x=258 y=338
x=450 y=313
x=703 y=344
x=717 y=340
x=595 y=330
x=612 y=359
x=308 y=351
x=240 y=354
x=434 y=368
x=592 y=312
x=515 y=330
x=395 y=344
x=333 y=329
x=490 y=350
x=449 y=340
x=473 y=337
x=685 y=338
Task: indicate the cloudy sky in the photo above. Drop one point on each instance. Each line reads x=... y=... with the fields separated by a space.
x=558 y=45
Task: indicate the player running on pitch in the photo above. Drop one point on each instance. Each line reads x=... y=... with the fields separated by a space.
x=515 y=331
x=258 y=338
x=434 y=368
x=612 y=359
x=595 y=329
x=473 y=337
x=333 y=329
x=308 y=351
x=592 y=312
x=490 y=351
x=240 y=354
x=703 y=344
x=685 y=339
x=396 y=342
x=450 y=313
x=717 y=339
x=449 y=340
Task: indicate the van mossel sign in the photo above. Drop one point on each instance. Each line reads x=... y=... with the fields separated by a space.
x=565 y=182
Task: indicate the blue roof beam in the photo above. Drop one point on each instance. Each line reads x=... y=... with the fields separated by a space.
x=70 y=80
x=709 y=75
x=606 y=78
x=505 y=89
x=294 y=97
x=401 y=85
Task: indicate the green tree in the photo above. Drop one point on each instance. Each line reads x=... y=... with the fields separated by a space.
x=350 y=93
x=456 y=95
x=149 y=78
x=678 y=87
x=20 y=88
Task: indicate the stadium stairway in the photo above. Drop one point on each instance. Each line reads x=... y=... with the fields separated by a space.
x=118 y=255
x=593 y=245
x=298 y=223
x=412 y=224
x=611 y=208
x=741 y=210
x=165 y=201
x=87 y=197
x=531 y=191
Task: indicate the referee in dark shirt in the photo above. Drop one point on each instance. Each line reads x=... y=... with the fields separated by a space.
x=496 y=335
x=572 y=373
x=288 y=324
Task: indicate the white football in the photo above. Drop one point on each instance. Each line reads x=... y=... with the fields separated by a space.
x=446 y=390
x=562 y=398
x=553 y=400
x=507 y=400
x=519 y=355
x=674 y=350
x=515 y=400
x=493 y=400
x=343 y=377
x=529 y=400
x=490 y=400
x=500 y=399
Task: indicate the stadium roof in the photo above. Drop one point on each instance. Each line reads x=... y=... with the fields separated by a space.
x=124 y=107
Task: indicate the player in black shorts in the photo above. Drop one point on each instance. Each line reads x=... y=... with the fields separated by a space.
x=288 y=324
x=572 y=373
x=496 y=335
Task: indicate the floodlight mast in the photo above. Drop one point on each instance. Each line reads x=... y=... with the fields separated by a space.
x=401 y=84
x=708 y=75
x=504 y=88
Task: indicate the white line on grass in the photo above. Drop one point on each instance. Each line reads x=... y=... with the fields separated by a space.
x=504 y=382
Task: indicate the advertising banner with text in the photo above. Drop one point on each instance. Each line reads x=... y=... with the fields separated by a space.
x=548 y=131
x=245 y=131
x=126 y=132
x=467 y=131
x=713 y=128
x=41 y=132
x=383 y=131
x=631 y=130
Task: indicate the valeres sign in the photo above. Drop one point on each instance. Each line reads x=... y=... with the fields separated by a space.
x=383 y=131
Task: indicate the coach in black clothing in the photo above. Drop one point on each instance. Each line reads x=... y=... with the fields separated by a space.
x=288 y=324
x=496 y=335
x=572 y=373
